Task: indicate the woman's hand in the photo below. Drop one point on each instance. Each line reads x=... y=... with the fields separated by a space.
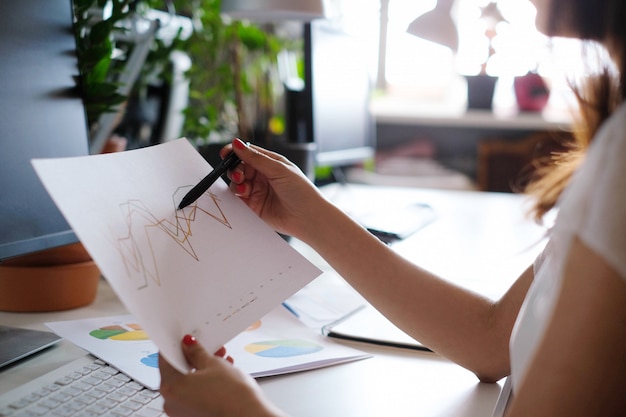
x=274 y=188
x=213 y=388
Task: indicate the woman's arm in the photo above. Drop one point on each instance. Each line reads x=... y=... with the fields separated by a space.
x=580 y=366
x=467 y=328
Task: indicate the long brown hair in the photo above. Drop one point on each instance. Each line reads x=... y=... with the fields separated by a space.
x=598 y=95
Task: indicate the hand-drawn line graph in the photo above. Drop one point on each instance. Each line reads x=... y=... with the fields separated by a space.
x=144 y=229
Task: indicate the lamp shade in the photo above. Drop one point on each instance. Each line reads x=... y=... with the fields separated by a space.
x=273 y=10
x=437 y=26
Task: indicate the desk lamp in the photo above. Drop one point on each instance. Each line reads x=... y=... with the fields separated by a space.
x=437 y=26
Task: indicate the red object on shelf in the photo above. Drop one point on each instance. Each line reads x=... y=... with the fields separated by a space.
x=531 y=92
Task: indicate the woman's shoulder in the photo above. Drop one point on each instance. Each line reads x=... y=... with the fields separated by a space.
x=614 y=129
x=594 y=206
x=606 y=157
x=605 y=154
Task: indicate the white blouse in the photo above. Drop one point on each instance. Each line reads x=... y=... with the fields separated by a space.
x=593 y=207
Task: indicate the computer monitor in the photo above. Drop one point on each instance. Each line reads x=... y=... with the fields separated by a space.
x=343 y=127
x=330 y=107
x=41 y=116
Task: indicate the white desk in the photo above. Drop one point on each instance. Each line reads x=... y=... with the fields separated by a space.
x=475 y=238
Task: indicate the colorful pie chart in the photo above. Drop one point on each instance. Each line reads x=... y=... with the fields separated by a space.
x=128 y=332
x=282 y=348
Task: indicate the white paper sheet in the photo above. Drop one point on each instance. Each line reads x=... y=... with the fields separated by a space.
x=118 y=340
x=276 y=344
x=279 y=343
x=209 y=270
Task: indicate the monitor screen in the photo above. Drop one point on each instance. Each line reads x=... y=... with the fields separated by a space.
x=343 y=127
x=41 y=116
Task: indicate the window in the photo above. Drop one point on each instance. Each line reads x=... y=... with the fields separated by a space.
x=421 y=70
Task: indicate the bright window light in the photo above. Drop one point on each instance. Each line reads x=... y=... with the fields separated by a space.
x=420 y=70
x=426 y=70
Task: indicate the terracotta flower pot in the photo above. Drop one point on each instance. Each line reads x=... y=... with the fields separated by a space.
x=56 y=279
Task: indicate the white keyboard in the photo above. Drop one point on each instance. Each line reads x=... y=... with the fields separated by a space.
x=86 y=387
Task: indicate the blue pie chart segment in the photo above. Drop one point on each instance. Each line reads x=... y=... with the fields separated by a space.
x=151 y=360
x=282 y=348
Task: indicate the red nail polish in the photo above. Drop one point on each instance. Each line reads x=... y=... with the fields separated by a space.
x=240 y=188
x=238 y=143
x=236 y=176
x=189 y=340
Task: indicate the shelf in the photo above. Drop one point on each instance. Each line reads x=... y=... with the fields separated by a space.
x=406 y=112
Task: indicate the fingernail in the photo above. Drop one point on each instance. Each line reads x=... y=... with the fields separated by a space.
x=238 y=143
x=189 y=340
x=240 y=189
x=236 y=176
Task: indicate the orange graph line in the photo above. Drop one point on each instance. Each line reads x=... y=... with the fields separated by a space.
x=144 y=231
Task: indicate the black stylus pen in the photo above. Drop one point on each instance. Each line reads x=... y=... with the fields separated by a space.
x=227 y=163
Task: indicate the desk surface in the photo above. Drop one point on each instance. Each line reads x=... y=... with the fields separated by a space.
x=478 y=240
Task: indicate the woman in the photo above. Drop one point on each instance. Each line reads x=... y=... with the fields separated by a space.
x=559 y=331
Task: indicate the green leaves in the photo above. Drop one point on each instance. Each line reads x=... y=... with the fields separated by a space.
x=94 y=44
x=229 y=60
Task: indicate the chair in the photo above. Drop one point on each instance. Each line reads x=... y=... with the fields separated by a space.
x=507 y=165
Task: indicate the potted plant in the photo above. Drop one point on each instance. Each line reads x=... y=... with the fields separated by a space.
x=480 y=87
x=231 y=89
x=96 y=48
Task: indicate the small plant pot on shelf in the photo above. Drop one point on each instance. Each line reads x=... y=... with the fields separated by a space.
x=531 y=92
x=57 y=279
x=480 y=89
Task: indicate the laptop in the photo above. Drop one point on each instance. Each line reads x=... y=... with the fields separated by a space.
x=17 y=343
